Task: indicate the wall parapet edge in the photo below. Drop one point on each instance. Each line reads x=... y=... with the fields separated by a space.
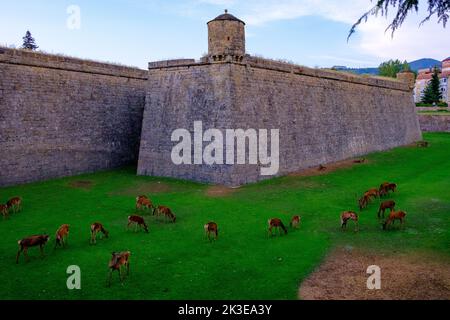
x=59 y=62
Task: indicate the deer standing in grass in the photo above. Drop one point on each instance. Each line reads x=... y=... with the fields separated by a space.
x=4 y=211
x=394 y=215
x=277 y=224
x=211 y=228
x=97 y=227
x=349 y=215
x=390 y=204
x=166 y=212
x=143 y=202
x=15 y=204
x=295 y=222
x=385 y=187
x=138 y=221
x=119 y=260
x=33 y=241
x=61 y=236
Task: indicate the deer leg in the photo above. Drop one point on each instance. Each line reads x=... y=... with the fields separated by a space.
x=41 y=249
x=120 y=274
x=110 y=277
x=128 y=268
x=18 y=254
x=25 y=253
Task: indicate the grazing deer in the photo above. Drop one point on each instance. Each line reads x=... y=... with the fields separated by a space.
x=386 y=187
x=4 y=211
x=143 y=202
x=322 y=168
x=375 y=193
x=423 y=144
x=97 y=227
x=29 y=242
x=14 y=203
x=349 y=215
x=391 y=187
x=359 y=160
x=61 y=235
x=394 y=215
x=277 y=224
x=364 y=201
x=119 y=260
x=162 y=210
x=382 y=190
x=386 y=205
x=211 y=228
x=295 y=222
x=138 y=221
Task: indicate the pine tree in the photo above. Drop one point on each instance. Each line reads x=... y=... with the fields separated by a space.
x=29 y=42
x=433 y=93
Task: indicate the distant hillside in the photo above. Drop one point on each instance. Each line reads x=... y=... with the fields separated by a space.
x=415 y=66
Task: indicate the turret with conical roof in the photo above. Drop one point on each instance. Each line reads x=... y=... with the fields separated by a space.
x=226 y=38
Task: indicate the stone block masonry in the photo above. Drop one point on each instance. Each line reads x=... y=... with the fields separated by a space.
x=323 y=116
x=61 y=116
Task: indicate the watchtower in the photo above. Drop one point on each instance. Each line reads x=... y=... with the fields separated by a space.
x=226 y=38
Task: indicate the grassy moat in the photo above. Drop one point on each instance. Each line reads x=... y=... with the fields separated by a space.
x=175 y=261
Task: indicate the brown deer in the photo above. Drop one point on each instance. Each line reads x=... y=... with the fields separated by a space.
x=295 y=222
x=359 y=160
x=277 y=224
x=4 y=211
x=29 y=242
x=143 y=202
x=168 y=214
x=374 y=193
x=119 y=260
x=349 y=215
x=382 y=190
x=211 y=228
x=138 y=221
x=394 y=215
x=14 y=203
x=322 y=168
x=386 y=205
x=97 y=227
x=364 y=202
x=423 y=144
x=61 y=236
x=386 y=187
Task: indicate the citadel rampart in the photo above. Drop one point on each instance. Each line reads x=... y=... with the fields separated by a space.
x=323 y=116
x=63 y=116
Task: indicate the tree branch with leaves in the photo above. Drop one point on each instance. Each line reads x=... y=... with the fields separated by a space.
x=438 y=8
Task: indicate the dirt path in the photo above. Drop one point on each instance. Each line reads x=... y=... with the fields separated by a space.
x=403 y=277
x=330 y=167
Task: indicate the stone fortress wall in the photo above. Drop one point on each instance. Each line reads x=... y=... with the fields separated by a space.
x=62 y=116
x=323 y=116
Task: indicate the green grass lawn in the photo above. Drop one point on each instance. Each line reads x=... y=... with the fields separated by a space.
x=174 y=261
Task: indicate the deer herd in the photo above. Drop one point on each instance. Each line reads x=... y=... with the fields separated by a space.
x=121 y=260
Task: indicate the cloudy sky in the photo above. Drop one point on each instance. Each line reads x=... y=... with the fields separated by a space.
x=134 y=32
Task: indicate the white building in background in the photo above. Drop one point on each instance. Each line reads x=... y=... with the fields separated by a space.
x=424 y=77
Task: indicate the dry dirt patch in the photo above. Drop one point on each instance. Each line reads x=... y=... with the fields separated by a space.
x=146 y=188
x=81 y=184
x=403 y=277
x=219 y=191
x=330 y=167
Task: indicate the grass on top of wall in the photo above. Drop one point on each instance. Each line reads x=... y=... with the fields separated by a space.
x=174 y=261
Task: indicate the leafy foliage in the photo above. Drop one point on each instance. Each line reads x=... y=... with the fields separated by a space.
x=392 y=67
x=440 y=8
x=433 y=92
x=28 y=42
